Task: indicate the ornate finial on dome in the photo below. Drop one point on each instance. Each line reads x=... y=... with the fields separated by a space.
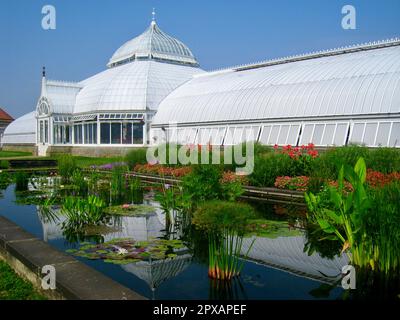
x=44 y=72
x=153 y=19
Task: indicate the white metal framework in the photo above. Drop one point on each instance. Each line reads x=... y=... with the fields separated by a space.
x=329 y=98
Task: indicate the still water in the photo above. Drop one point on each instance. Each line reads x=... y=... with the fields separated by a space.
x=277 y=267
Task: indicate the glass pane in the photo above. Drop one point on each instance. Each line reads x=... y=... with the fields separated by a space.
x=317 y=136
x=341 y=133
x=115 y=133
x=395 y=135
x=265 y=134
x=273 y=138
x=237 y=138
x=293 y=135
x=105 y=133
x=383 y=134
x=370 y=132
x=137 y=133
x=127 y=133
x=94 y=133
x=283 y=134
x=328 y=134
x=229 y=137
x=306 y=135
x=357 y=133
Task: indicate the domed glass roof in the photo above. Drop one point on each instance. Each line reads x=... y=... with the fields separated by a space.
x=153 y=44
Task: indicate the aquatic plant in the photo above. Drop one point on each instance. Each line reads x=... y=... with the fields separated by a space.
x=118 y=181
x=5 y=180
x=364 y=220
x=130 y=210
x=224 y=222
x=136 y=156
x=127 y=250
x=343 y=220
x=21 y=181
x=82 y=212
x=66 y=167
x=79 y=182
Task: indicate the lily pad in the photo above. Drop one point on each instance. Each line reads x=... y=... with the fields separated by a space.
x=125 y=251
x=130 y=210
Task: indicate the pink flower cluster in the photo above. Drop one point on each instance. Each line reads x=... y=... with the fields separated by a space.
x=160 y=170
x=379 y=179
x=292 y=183
x=297 y=152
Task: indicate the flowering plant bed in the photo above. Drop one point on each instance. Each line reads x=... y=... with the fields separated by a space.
x=160 y=170
x=292 y=183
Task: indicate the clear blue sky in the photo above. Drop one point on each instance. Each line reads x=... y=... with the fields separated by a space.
x=220 y=34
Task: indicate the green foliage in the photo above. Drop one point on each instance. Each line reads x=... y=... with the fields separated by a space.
x=133 y=210
x=381 y=223
x=385 y=160
x=328 y=164
x=66 y=166
x=225 y=223
x=269 y=166
x=364 y=222
x=4 y=164
x=136 y=156
x=203 y=183
x=12 y=287
x=21 y=181
x=231 y=190
x=83 y=212
x=5 y=180
x=80 y=184
x=118 y=180
x=217 y=216
x=126 y=251
x=14 y=154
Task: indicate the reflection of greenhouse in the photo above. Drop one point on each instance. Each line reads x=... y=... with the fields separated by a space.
x=154 y=273
x=287 y=253
x=139 y=228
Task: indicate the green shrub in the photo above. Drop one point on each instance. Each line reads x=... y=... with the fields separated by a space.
x=224 y=223
x=4 y=164
x=328 y=164
x=136 y=156
x=21 y=181
x=385 y=160
x=203 y=183
x=66 y=166
x=269 y=166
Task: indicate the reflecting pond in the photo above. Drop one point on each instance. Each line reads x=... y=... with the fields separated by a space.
x=277 y=266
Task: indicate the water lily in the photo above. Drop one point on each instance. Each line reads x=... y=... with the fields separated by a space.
x=126 y=206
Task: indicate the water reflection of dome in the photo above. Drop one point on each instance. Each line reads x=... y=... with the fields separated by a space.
x=287 y=253
x=139 y=228
x=156 y=272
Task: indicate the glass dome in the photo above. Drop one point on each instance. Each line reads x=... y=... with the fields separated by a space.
x=153 y=44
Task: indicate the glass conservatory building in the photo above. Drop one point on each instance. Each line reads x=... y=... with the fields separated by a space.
x=336 y=97
x=112 y=109
x=153 y=91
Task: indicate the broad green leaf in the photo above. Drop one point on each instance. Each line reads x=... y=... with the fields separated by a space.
x=335 y=217
x=326 y=226
x=361 y=169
